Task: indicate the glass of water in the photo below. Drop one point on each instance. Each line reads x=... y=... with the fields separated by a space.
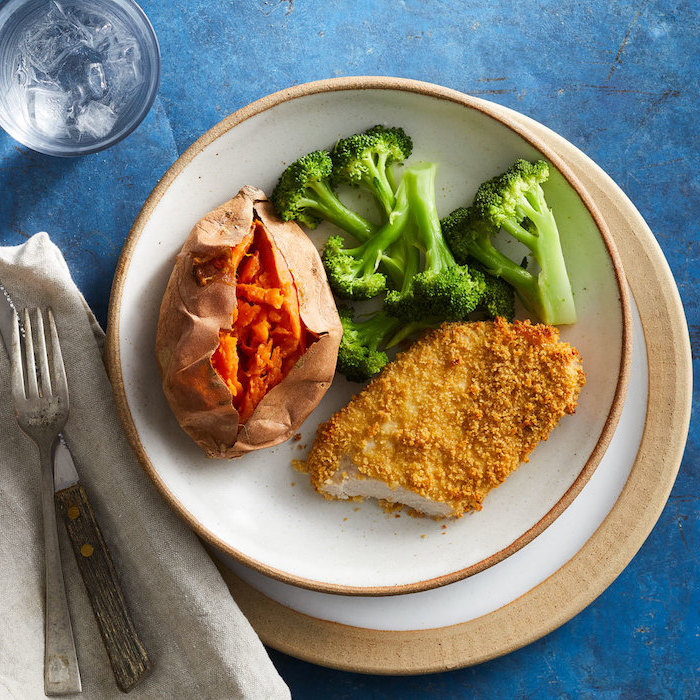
x=76 y=76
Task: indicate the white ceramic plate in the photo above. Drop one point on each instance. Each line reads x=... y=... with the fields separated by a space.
x=258 y=509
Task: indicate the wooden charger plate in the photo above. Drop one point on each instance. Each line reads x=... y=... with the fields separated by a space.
x=594 y=567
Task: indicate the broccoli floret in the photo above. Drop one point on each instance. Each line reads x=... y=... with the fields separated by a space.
x=398 y=141
x=514 y=202
x=498 y=298
x=469 y=238
x=352 y=272
x=365 y=160
x=358 y=355
x=304 y=194
x=443 y=290
x=463 y=230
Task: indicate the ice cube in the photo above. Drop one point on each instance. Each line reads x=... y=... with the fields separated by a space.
x=74 y=68
x=97 y=84
x=124 y=75
x=103 y=38
x=50 y=40
x=95 y=120
x=86 y=17
x=122 y=47
x=48 y=111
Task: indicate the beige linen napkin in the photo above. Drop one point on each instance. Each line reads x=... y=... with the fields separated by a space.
x=200 y=644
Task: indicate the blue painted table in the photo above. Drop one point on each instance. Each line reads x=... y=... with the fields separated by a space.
x=618 y=79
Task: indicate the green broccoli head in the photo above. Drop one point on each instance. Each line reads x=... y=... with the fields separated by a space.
x=358 y=355
x=295 y=196
x=350 y=274
x=399 y=304
x=509 y=196
x=363 y=160
x=462 y=229
x=498 y=298
x=448 y=294
x=398 y=143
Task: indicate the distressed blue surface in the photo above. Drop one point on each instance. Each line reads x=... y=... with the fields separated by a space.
x=618 y=79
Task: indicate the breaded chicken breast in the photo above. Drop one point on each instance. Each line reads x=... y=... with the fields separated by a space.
x=450 y=418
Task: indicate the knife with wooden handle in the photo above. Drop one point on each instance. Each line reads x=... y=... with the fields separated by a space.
x=129 y=660
x=127 y=656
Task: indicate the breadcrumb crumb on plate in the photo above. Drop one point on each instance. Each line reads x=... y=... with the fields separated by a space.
x=450 y=418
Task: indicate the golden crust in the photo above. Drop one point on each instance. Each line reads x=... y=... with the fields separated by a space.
x=188 y=334
x=456 y=413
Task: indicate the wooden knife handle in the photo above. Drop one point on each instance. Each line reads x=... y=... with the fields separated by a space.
x=129 y=660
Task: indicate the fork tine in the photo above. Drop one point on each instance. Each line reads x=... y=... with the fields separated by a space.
x=30 y=364
x=44 y=376
x=16 y=356
x=60 y=383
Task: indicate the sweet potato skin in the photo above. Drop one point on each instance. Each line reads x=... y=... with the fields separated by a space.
x=188 y=334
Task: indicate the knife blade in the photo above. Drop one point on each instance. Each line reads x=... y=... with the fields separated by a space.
x=127 y=656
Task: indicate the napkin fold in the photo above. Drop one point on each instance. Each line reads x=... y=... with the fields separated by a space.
x=200 y=643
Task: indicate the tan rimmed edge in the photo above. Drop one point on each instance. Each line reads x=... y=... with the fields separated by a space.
x=596 y=565
x=112 y=351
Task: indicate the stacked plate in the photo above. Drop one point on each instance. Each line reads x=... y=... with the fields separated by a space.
x=314 y=577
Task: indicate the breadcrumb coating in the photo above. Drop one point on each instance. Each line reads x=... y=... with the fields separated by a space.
x=455 y=414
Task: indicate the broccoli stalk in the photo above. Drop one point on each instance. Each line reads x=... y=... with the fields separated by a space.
x=304 y=194
x=514 y=202
x=409 y=257
x=365 y=159
x=443 y=290
x=352 y=272
x=402 y=260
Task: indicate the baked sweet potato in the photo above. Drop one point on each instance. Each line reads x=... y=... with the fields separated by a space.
x=248 y=332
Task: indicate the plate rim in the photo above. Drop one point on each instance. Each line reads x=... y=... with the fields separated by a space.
x=113 y=353
x=602 y=558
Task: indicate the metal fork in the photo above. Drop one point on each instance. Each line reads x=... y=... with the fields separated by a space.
x=41 y=409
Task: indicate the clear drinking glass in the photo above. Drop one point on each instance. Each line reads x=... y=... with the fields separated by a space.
x=76 y=76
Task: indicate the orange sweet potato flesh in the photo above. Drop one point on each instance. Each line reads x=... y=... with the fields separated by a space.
x=267 y=335
x=248 y=332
